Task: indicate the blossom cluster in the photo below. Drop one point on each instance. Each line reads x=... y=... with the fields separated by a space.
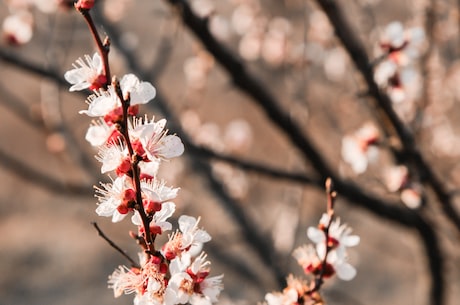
x=401 y=47
x=130 y=150
x=18 y=26
x=361 y=148
x=326 y=257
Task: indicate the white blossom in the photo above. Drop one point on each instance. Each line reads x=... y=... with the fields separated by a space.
x=87 y=73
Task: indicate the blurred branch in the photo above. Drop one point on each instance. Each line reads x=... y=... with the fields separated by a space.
x=251 y=86
x=358 y=54
x=248 y=84
x=24 y=171
x=427 y=67
x=15 y=105
x=386 y=210
x=251 y=232
x=412 y=155
x=202 y=152
x=254 y=238
x=235 y=68
x=19 y=108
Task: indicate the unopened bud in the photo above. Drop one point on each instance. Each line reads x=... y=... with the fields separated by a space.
x=84 y=4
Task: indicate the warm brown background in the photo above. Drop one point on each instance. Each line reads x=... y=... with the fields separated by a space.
x=49 y=252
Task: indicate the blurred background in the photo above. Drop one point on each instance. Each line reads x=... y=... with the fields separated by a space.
x=269 y=102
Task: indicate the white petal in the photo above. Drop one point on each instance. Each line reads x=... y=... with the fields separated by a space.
x=167 y=209
x=107 y=207
x=101 y=106
x=75 y=76
x=136 y=219
x=202 y=236
x=345 y=271
x=315 y=235
x=395 y=33
x=117 y=216
x=144 y=93
x=97 y=135
x=186 y=223
x=128 y=83
x=172 y=147
x=350 y=241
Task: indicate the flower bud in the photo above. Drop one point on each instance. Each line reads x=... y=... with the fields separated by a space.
x=84 y=4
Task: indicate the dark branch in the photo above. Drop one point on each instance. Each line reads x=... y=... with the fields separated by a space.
x=411 y=154
x=24 y=171
x=115 y=246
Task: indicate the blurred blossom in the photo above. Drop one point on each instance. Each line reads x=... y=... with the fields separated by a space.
x=274 y=47
x=444 y=141
x=314 y=52
x=219 y=27
x=203 y=8
x=384 y=71
x=396 y=72
x=402 y=45
x=234 y=180
x=250 y=46
x=320 y=29
x=335 y=64
x=56 y=142
x=412 y=196
x=114 y=10
x=393 y=36
x=196 y=70
x=397 y=180
x=18 y=28
x=18 y=4
x=46 y=6
x=209 y=135
x=285 y=227
x=190 y=121
x=238 y=136
x=396 y=177
x=243 y=18
x=358 y=149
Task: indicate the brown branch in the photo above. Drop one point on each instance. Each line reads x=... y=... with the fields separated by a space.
x=247 y=83
x=359 y=56
x=410 y=152
x=386 y=210
x=115 y=246
x=331 y=196
x=24 y=171
x=139 y=206
x=103 y=47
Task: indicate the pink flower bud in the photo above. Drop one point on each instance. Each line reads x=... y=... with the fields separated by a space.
x=84 y=4
x=151 y=206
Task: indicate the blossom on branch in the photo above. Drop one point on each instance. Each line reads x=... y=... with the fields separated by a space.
x=116 y=198
x=400 y=47
x=87 y=74
x=359 y=148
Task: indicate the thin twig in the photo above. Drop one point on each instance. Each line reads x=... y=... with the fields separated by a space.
x=115 y=246
x=103 y=47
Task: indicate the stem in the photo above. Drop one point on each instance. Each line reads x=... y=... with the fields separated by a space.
x=135 y=168
x=103 y=47
x=113 y=245
x=331 y=195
